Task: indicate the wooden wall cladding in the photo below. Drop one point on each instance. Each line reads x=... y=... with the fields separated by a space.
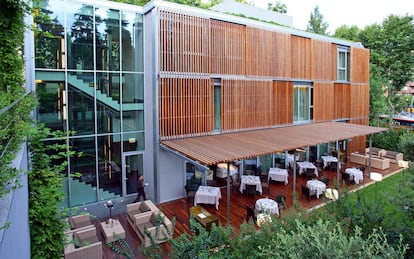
x=342 y=101
x=228 y=48
x=246 y=104
x=282 y=102
x=300 y=58
x=360 y=100
x=184 y=43
x=323 y=60
x=359 y=65
x=185 y=106
x=323 y=101
x=267 y=53
x=358 y=143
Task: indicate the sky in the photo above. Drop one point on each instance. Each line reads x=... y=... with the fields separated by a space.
x=349 y=12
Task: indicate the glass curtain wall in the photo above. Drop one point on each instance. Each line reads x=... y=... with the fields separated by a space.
x=89 y=81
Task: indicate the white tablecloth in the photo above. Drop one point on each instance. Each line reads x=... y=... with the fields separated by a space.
x=328 y=159
x=207 y=194
x=250 y=179
x=304 y=165
x=317 y=186
x=355 y=174
x=278 y=174
x=221 y=170
x=267 y=205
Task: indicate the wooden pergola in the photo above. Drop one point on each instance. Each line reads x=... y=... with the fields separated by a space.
x=226 y=148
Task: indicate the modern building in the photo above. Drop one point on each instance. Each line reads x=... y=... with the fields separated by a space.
x=168 y=91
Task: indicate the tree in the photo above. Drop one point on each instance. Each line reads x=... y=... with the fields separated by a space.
x=391 y=44
x=347 y=32
x=278 y=7
x=316 y=23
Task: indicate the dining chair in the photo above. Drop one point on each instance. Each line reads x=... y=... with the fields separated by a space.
x=190 y=194
x=307 y=192
x=250 y=213
x=235 y=183
x=333 y=166
x=265 y=186
x=325 y=180
x=281 y=201
x=250 y=190
x=346 y=178
x=310 y=173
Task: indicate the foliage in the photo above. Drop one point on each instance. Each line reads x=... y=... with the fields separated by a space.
x=45 y=195
x=391 y=44
x=278 y=7
x=16 y=120
x=406 y=145
x=316 y=23
x=121 y=247
x=347 y=32
x=377 y=101
x=196 y=3
x=204 y=245
x=387 y=140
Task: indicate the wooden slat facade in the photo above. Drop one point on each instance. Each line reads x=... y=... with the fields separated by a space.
x=257 y=69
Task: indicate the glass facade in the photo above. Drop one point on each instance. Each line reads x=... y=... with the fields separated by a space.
x=90 y=82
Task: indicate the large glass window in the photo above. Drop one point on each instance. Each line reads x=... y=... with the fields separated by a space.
x=49 y=36
x=217 y=104
x=303 y=102
x=109 y=164
x=343 y=64
x=81 y=32
x=132 y=42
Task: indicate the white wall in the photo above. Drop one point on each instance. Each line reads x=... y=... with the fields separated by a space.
x=172 y=176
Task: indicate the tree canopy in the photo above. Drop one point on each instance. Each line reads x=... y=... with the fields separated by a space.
x=278 y=7
x=316 y=23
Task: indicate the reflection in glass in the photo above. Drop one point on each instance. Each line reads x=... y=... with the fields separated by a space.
x=133 y=141
x=49 y=36
x=107 y=99
x=80 y=27
x=132 y=88
x=133 y=120
x=134 y=167
x=52 y=109
x=83 y=188
x=81 y=103
x=108 y=45
x=109 y=165
x=132 y=42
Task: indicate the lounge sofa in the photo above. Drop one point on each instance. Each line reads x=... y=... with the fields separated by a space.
x=137 y=208
x=376 y=152
x=80 y=221
x=380 y=163
x=83 y=243
x=358 y=158
x=394 y=156
x=159 y=228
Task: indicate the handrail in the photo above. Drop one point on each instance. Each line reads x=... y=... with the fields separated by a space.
x=8 y=107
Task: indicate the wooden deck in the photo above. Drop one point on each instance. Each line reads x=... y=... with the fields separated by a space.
x=179 y=208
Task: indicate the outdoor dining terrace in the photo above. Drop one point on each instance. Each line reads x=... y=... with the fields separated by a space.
x=179 y=209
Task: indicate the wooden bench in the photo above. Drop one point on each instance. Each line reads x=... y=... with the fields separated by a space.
x=358 y=158
x=394 y=156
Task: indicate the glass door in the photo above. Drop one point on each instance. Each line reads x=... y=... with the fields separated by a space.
x=133 y=167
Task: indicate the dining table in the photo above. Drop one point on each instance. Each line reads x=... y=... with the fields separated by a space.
x=328 y=159
x=305 y=165
x=250 y=179
x=278 y=174
x=316 y=186
x=355 y=174
x=267 y=205
x=207 y=195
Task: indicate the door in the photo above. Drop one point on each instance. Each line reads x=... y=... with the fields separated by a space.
x=133 y=167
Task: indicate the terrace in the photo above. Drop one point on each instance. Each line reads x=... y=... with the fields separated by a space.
x=180 y=208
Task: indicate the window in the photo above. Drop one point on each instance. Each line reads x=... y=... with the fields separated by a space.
x=343 y=64
x=217 y=104
x=303 y=102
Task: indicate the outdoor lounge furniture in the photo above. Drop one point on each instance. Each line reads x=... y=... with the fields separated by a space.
x=393 y=156
x=137 y=208
x=380 y=163
x=358 y=158
x=153 y=228
x=80 y=221
x=83 y=243
x=376 y=152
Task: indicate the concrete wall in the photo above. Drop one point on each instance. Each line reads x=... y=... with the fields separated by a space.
x=15 y=239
